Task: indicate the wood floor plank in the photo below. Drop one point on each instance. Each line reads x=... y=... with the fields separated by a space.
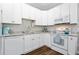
x=43 y=51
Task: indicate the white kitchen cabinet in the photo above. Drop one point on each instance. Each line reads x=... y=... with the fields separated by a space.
x=38 y=18
x=29 y=12
x=50 y=17
x=0 y=45
x=35 y=41
x=14 y=45
x=65 y=12
x=25 y=11
x=74 y=7
x=59 y=14
x=57 y=17
x=33 y=13
x=44 y=18
x=18 y=14
x=72 y=45
x=11 y=13
x=0 y=13
x=41 y=18
x=28 y=43
x=32 y=42
x=45 y=39
x=56 y=12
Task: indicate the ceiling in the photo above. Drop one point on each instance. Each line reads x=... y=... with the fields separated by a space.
x=44 y=6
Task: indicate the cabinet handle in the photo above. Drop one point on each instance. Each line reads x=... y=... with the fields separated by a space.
x=13 y=21
x=33 y=39
x=71 y=38
x=23 y=38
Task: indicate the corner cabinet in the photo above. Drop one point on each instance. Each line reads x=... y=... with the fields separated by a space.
x=13 y=45
x=11 y=13
x=41 y=18
x=45 y=39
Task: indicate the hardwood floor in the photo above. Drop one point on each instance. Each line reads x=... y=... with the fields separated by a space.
x=43 y=51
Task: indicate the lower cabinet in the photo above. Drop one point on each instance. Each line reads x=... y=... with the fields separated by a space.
x=28 y=43
x=45 y=39
x=13 y=45
x=16 y=45
x=31 y=42
x=34 y=41
x=0 y=45
x=72 y=45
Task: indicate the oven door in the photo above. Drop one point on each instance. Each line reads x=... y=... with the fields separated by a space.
x=60 y=41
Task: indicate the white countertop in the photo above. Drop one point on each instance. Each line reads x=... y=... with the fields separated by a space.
x=74 y=35
x=21 y=34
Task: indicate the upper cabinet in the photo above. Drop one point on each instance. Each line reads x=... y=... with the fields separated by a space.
x=57 y=18
x=41 y=18
x=11 y=13
x=44 y=18
x=74 y=13
x=0 y=14
x=29 y=12
x=65 y=12
x=38 y=18
x=50 y=17
x=25 y=11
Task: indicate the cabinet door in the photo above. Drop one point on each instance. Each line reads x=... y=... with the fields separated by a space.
x=25 y=11
x=17 y=13
x=0 y=20
x=7 y=13
x=44 y=18
x=0 y=14
x=56 y=12
x=0 y=46
x=50 y=17
x=28 y=43
x=35 y=41
x=38 y=18
x=45 y=39
x=29 y=12
x=57 y=18
x=72 y=45
x=73 y=13
x=65 y=9
x=33 y=13
x=14 y=45
x=42 y=42
x=11 y=13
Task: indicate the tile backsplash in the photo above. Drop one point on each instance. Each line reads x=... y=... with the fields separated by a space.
x=73 y=28
x=26 y=26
